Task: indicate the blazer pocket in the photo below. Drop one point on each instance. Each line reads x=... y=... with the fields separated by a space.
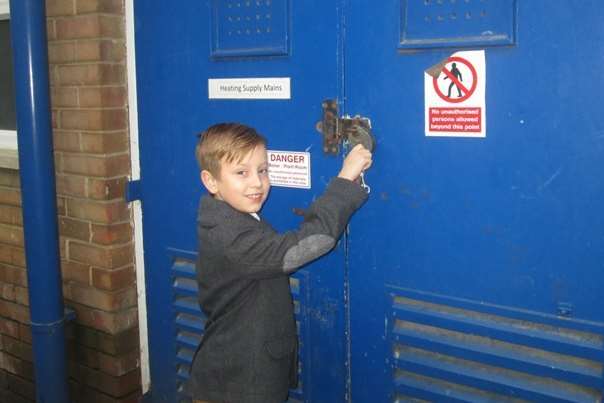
x=282 y=347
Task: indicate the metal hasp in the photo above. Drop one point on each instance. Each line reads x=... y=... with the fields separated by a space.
x=354 y=130
x=30 y=58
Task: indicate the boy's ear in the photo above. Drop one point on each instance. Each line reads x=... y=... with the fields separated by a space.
x=209 y=181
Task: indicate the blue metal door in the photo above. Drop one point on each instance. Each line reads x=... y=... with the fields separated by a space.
x=473 y=273
x=180 y=45
x=476 y=267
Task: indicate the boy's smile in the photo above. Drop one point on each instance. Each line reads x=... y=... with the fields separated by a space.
x=244 y=184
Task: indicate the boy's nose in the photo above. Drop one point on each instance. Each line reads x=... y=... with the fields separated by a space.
x=255 y=180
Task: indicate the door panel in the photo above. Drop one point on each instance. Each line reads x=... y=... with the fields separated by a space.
x=475 y=268
x=473 y=272
x=180 y=45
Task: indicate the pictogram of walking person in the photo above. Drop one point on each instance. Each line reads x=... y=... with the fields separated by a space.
x=457 y=74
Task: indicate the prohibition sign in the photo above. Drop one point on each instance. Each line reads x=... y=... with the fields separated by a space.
x=467 y=93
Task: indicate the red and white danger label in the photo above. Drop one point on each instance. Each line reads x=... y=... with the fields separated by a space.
x=455 y=96
x=459 y=120
x=289 y=169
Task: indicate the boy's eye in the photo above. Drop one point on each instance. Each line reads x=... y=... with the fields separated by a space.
x=241 y=172
x=263 y=171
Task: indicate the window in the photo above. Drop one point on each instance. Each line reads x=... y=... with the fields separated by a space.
x=8 y=125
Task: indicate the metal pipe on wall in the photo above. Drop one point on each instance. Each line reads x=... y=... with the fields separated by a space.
x=30 y=62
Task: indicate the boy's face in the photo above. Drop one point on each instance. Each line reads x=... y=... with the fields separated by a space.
x=244 y=185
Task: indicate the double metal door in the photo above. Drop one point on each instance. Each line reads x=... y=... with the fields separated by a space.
x=473 y=272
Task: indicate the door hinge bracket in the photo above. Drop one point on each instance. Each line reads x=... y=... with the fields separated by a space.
x=133 y=191
x=337 y=130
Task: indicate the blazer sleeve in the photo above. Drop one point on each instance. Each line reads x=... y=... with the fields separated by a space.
x=259 y=251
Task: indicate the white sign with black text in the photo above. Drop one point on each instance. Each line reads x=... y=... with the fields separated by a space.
x=289 y=169
x=249 y=88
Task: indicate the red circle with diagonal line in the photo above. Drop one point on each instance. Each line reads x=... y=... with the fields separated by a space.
x=467 y=92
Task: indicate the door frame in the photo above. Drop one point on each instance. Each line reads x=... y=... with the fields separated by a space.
x=136 y=207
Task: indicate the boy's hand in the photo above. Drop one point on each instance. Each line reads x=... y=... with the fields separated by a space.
x=357 y=161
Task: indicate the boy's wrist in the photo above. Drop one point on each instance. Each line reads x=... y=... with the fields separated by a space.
x=343 y=175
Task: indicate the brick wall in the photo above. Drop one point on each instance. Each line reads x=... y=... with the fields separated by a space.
x=16 y=373
x=89 y=110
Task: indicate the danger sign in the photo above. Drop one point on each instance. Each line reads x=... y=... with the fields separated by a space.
x=455 y=96
x=289 y=169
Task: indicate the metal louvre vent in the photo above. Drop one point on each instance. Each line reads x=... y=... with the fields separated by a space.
x=250 y=28
x=298 y=289
x=455 y=23
x=189 y=320
x=454 y=350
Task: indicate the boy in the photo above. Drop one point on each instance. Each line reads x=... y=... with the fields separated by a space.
x=249 y=349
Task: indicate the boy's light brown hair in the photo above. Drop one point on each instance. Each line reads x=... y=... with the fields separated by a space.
x=226 y=142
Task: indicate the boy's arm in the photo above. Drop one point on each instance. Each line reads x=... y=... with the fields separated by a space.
x=265 y=253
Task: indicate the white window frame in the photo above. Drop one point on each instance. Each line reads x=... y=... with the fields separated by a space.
x=8 y=138
x=4 y=8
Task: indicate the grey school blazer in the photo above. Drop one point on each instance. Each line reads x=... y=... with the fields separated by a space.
x=249 y=349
